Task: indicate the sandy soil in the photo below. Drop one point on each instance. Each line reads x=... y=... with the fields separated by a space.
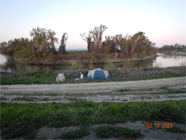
x=153 y=133
x=144 y=90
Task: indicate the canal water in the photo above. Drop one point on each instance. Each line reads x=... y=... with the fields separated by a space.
x=162 y=60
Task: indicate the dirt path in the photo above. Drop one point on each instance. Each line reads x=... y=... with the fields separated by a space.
x=144 y=90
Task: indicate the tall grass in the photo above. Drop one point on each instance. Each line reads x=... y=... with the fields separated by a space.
x=117 y=132
x=18 y=119
x=77 y=51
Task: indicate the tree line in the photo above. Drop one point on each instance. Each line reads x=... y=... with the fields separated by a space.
x=176 y=47
x=130 y=46
x=41 y=45
x=43 y=42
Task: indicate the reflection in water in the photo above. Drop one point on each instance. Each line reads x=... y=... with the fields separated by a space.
x=3 y=60
x=161 y=61
x=169 y=61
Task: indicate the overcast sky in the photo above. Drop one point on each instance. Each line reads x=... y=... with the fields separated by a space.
x=163 y=21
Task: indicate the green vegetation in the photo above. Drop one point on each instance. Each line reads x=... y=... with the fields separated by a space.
x=30 y=136
x=76 y=134
x=117 y=132
x=92 y=60
x=21 y=119
x=45 y=76
x=23 y=53
x=75 y=65
x=3 y=98
x=122 y=90
x=41 y=47
x=77 y=52
x=109 y=64
x=25 y=98
x=175 y=130
x=29 y=80
x=166 y=88
x=176 y=47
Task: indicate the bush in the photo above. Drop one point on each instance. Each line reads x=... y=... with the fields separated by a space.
x=75 y=66
x=109 y=64
x=38 y=75
x=76 y=134
x=23 y=52
x=127 y=63
x=117 y=132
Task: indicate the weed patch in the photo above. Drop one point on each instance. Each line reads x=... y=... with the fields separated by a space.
x=117 y=132
x=122 y=90
x=166 y=88
x=25 y=99
x=76 y=134
x=22 y=119
x=175 y=129
x=3 y=98
x=30 y=136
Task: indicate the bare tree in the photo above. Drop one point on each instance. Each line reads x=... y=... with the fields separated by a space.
x=62 y=47
x=88 y=39
x=94 y=38
x=97 y=35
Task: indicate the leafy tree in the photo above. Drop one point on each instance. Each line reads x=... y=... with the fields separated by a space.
x=39 y=39
x=43 y=41
x=176 y=47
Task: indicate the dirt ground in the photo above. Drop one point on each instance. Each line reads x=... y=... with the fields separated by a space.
x=129 y=91
x=148 y=133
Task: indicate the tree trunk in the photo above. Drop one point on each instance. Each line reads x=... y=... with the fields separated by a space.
x=62 y=48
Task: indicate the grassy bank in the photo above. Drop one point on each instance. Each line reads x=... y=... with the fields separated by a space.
x=116 y=75
x=52 y=79
x=21 y=119
x=77 y=51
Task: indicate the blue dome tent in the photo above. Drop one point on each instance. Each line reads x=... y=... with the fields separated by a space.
x=98 y=74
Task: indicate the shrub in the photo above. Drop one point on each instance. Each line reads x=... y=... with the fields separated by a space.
x=76 y=134
x=23 y=52
x=75 y=66
x=127 y=63
x=109 y=64
x=117 y=132
x=38 y=75
x=93 y=59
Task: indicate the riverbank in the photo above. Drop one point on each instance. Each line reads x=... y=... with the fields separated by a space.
x=120 y=74
x=176 y=53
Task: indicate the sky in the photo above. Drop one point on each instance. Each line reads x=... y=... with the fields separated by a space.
x=163 y=21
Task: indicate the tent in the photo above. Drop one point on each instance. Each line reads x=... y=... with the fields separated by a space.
x=60 y=77
x=98 y=74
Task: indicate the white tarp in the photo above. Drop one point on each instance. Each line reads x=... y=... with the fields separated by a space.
x=60 y=77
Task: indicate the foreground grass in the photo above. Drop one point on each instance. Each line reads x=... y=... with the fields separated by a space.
x=117 y=132
x=175 y=130
x=21 y=119
x=76 y=134
x=36 y=80
x=77 y=51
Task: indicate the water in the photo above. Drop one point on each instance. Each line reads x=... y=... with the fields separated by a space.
x=161 y=61
x=3 y=60
x=164 y=60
